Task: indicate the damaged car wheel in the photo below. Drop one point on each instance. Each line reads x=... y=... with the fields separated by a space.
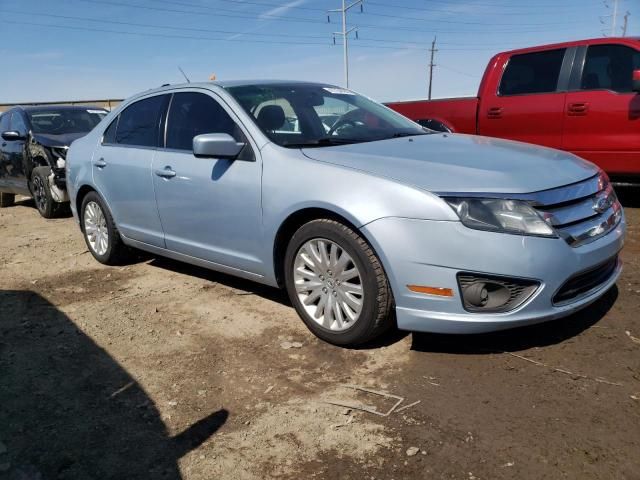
x=100 y=231
x=41 y=192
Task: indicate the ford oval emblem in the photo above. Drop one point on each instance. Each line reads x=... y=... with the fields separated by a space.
x=601 y=204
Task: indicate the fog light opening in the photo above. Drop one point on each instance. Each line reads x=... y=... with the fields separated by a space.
x=486 y=295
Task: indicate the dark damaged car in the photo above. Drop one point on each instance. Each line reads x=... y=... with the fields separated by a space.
x=33 y=152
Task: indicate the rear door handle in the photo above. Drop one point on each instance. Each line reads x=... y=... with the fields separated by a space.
x=494 y=112
x=166 y=172
x=577 y=109
x=100 y=163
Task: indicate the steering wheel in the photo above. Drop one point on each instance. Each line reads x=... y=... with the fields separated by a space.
x=343 y=122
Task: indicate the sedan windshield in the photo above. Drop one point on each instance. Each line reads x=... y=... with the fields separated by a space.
x=307 y=115
x=63 y=121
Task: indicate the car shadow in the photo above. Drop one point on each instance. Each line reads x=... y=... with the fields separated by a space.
x=248 y=287
x=629 y=196
x=517 y=339
x=63 y=212
x=69 y=410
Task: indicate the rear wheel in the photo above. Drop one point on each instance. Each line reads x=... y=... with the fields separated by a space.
x=7 y=200
x=337 y=284
x=100 y=232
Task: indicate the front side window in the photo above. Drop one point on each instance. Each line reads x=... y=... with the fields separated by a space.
x=610 y=67
x=4 y=122
x=65 y=120
x=192 y=114
x=17 y=123
x=532 y=73
x=138 y=124
x=309 y=115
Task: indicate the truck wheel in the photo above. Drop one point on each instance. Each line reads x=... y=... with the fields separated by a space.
x=41 y=192
x=7 y=200
x=337 y=284
x=100 y=232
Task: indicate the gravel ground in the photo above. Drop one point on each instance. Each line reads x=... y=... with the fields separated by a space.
x=162 y=370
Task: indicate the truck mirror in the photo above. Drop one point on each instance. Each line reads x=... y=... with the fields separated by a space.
x=635 y=85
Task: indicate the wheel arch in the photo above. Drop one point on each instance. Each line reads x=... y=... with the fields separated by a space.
x=293 y=222
x=82 y=192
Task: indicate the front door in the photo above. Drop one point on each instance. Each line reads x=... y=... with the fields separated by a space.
x=529 y=103
x=210 y=208
x=602 y=113
x=122 y=169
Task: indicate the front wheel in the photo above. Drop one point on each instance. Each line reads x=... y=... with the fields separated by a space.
x=337 y=284
x=41 y=192
x=100 y=232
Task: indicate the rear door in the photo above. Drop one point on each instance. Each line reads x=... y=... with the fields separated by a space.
x=529 y=103
x=122 y=169
x=4 y=155
x=602 y=113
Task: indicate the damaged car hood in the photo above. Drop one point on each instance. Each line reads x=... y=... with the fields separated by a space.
x=63 y=140
x=460 y=163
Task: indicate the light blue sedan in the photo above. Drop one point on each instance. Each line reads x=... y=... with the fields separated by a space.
x=366 y=219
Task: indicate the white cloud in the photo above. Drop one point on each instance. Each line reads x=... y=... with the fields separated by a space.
x=282 y=9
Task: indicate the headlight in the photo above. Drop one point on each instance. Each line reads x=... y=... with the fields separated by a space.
x=496 y=215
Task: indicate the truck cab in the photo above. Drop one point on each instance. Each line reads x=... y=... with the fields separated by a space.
x=581 y=97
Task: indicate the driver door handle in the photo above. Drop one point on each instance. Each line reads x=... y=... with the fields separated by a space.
x=166 y=172
x=100 y=163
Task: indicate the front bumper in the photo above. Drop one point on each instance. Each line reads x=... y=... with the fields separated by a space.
x=432 y=253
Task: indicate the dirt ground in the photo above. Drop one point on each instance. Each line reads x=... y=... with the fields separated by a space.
x=162 y=370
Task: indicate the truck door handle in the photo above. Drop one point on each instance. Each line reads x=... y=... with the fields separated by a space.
x=494 y=112
x=100 y=163
x=577 y=109
x=166 y=172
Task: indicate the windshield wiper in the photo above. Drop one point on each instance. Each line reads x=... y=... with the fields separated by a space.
x=408 y=134
x=324 y=142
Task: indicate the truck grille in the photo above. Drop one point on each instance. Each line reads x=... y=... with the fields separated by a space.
x=581 y=212
x=585 y=282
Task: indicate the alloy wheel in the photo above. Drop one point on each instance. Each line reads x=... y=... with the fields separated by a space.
x=95 y=228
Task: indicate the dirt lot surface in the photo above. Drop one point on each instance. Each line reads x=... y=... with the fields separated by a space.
x=161 y=370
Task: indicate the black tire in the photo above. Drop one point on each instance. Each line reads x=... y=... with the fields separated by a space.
x=7 y=200
x=41 y=192
x=376 y=315
x=116 y=252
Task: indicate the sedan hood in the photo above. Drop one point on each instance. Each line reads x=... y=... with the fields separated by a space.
x=460 y=163
x=63 y=140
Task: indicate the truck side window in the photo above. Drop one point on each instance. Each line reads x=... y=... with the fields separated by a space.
x=532 y=73
x=610 y=67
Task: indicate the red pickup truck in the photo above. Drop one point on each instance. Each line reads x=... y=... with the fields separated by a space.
x=577 y=96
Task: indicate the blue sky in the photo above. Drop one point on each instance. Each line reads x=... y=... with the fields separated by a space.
x=69 y=49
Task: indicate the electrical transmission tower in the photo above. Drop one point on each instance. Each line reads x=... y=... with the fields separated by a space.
x=345 y=33
x=431 y=64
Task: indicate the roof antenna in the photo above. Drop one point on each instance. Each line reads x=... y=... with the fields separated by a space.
x=184 y=74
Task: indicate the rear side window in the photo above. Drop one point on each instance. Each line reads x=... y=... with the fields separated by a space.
x=192 y=114
x=532 y=73
x=110 y=133
x=139 y=122
x=610 y=67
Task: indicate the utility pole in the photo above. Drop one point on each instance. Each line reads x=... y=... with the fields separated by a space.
x=431 y=64
x=614 y=19
x=626 y=22
x=345 y=33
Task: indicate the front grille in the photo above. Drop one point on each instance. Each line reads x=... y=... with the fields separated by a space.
x=585 y=282
x=519 y=290
x=582 y=212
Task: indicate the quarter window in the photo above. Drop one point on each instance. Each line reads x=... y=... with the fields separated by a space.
x=532 y=73
x=138 y=123
x=110 y=133
x=192 y=114
x=610 y=67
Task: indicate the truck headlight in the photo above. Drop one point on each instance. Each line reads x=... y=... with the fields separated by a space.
x=497 y=215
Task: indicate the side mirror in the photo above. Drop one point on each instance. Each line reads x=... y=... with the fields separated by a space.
x=217 y=145
x=635 y=85
x=11 y=135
